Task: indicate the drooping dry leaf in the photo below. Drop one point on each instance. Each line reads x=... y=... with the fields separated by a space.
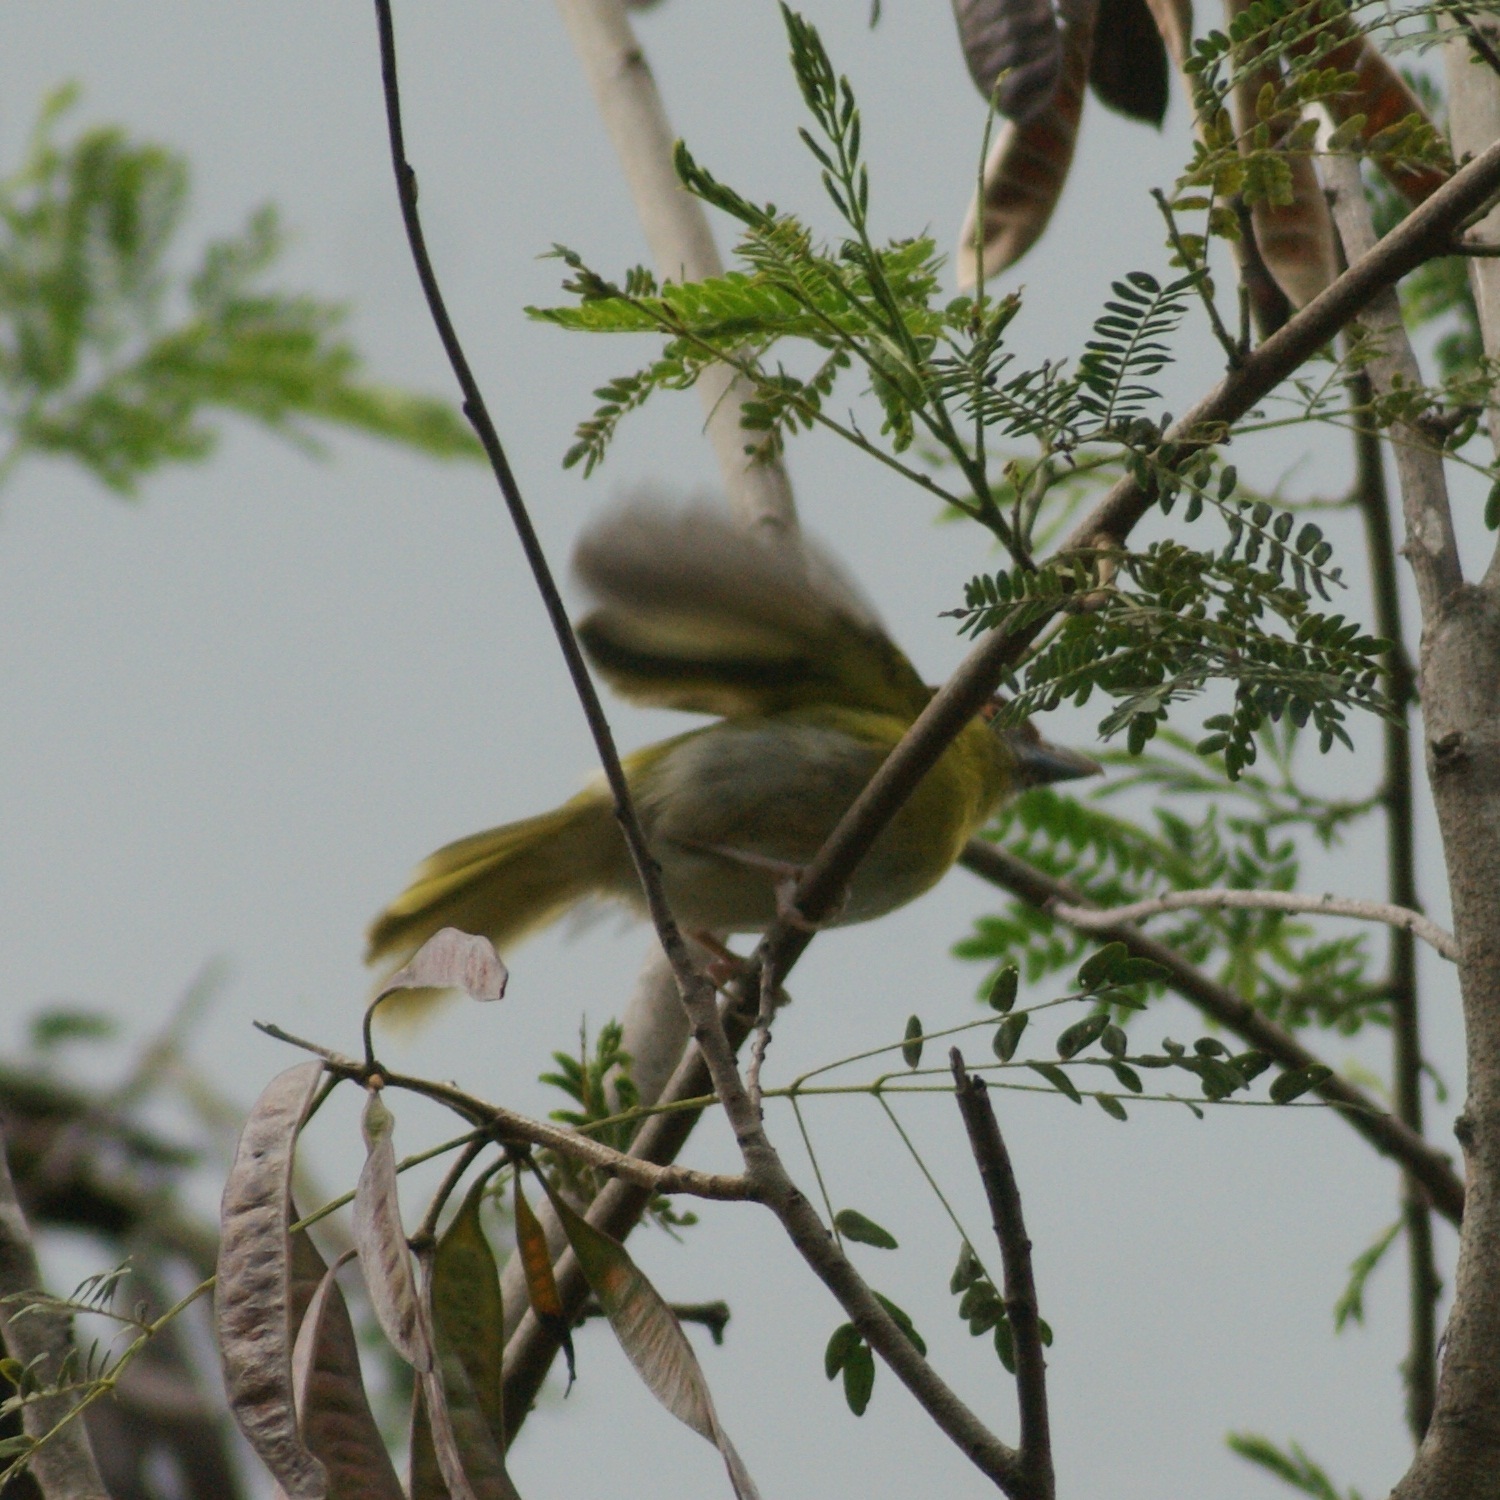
x=442 y=1443
x=462 y=1423
x=1026 y=169
x=1174 y=24
x=468 y=1311
x=332 y=1407
x=1295 y=238
x=1015 y=44
x=252 y=1299
x=452 y=960
x=651 y=1337
x=384 y=1256
x=541 y=1285
x=1384 y=98
x=1128 y=70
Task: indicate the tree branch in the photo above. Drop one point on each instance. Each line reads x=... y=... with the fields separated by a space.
x=1372 y=499
x=995 y=1172
x=508 y=1128
x=1431 y=546
x=1427 y=1165
x=1423 y=233
x=1090 y=919
x=682 y=244
x=41 y=1339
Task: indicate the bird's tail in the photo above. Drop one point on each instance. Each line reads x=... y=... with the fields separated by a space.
x=503 y=884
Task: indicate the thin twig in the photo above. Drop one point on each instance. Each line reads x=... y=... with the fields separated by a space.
x=713 y=1316
x=1233 y=348
x=477 y=412
x=508 y=1127
x=999 y=1179
x=1091 y=919
x=1371 y=497
x=1429 y=1166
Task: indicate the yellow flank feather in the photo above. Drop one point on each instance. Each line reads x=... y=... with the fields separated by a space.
x=695 y=614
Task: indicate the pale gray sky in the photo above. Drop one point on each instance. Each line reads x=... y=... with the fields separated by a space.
x=234 y=715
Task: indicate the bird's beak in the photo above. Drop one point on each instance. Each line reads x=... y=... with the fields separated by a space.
x=1039 y=762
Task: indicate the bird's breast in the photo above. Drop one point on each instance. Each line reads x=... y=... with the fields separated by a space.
x=733 y=809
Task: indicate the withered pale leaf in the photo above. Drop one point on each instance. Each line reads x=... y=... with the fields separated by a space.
x=468 y=1311
x=651 y=1336
x=452 y=960
x=334 y=1412
x=252 y=1297
x=384 y=1256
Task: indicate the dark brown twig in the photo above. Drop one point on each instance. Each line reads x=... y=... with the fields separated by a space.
x=1034 y=1455
x=478 y=414
x=713 y=1316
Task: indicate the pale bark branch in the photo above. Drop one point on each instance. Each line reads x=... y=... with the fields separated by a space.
x=682 y=244
x=41 y=1339
x=1428 y=1166
x=1431 y=546
x=1034 y=1454
x=1088 y=919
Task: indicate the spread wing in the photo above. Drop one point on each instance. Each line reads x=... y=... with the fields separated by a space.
x=693 y=612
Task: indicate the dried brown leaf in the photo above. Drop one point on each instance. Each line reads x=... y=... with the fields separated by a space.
x=651 y=1336
x=252 y=1299
x=1015 y=45
x=380 y=1239
x=332 y=1407
x=1026 y=168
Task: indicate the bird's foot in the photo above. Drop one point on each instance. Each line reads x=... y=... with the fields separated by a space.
x=724 y=964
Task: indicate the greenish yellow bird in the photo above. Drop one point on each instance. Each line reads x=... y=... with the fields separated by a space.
x=810 y=696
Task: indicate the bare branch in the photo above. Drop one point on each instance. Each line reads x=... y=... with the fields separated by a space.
x=1090 y=919
x=692 y=985
x=999 y=1179
x=41 y=1339
x=682 y=244
x=1426 y=1165
x=1431 y=546
x=508 y=1127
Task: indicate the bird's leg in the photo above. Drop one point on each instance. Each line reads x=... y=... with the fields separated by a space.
x=724 y=964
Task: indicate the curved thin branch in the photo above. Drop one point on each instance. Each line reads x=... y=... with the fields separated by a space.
x=506 y=1126
x=1427 y=1165
x=1090 y=919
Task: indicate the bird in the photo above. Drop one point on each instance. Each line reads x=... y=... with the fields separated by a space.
x=808 y=696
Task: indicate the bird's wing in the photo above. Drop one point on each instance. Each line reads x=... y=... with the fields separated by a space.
x=693 y=612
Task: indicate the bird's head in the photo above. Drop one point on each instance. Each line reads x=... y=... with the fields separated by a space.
x=1039 y=762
